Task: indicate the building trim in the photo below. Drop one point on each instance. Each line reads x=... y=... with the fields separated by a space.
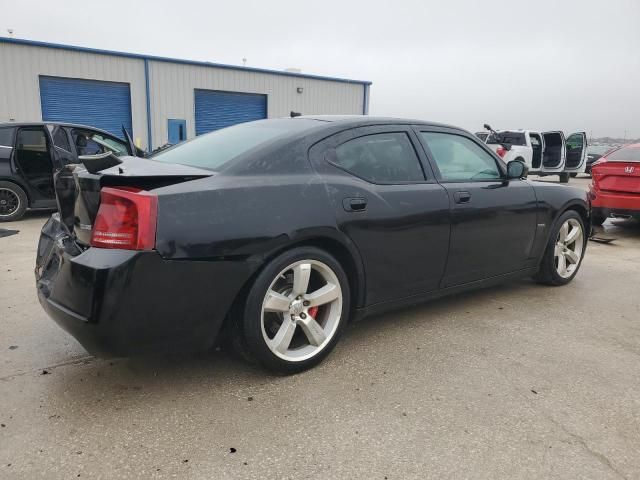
x=365 y=100
x=146 y=58
x=147 y=91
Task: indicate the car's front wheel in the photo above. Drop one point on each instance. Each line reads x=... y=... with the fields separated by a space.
x=296 y=310
x=564 y=252
x=13 y=202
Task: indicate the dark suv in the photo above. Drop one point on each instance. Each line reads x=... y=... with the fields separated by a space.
x=30 y=153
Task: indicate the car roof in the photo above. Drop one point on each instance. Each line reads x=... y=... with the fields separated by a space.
x=61 y=124
x=354 y=120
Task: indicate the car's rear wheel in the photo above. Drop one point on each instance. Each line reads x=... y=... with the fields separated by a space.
x=13 y=202
x=563 y=256
x=296 y=310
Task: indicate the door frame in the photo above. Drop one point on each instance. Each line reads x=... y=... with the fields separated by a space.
x=583 y=160
x=36 y=198
x=563 y=153
x=541 y=137
x=502 y=166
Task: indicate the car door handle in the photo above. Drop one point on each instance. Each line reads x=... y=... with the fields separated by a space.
x=462 y=197
x=358 y=204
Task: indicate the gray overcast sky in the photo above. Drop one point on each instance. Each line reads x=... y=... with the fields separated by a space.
x=570 y=65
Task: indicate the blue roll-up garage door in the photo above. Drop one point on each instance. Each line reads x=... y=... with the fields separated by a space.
x=105 y=105
x=215 y=110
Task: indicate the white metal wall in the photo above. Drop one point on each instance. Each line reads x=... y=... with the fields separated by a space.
x=173 y=84
x=21 y=66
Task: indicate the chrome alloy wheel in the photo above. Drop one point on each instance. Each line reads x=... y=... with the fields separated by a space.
x=301 y=310
x=569 y=248
x=9 y=202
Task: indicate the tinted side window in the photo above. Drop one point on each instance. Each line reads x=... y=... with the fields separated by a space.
x=60 y=139
x=460 y=159
x=6 y=136
x=380 y=158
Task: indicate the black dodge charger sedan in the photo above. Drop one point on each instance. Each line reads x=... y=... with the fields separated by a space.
x=271 y=235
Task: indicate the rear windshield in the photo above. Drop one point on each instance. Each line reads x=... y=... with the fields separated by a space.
x=215 y=149
x=625 y=154
x=512 y=138
x=599 y=149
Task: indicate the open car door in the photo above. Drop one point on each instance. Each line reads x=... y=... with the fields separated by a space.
x=133 y=150
x=576 y=153
x=553 y=152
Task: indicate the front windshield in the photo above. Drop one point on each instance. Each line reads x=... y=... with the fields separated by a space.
x=215 y=149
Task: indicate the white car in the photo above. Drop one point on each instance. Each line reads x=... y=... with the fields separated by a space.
x=545 y=153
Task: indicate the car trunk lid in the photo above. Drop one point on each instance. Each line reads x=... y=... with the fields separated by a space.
x=78 y=190
x=617 y=176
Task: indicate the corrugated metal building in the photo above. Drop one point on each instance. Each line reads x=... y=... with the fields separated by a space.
x=161 y=100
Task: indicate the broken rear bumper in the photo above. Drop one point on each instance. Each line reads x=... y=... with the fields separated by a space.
x=120 y=302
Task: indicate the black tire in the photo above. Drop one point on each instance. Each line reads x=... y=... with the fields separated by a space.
x=573 y=175
x=9 y=193
x=547 y=273
x=564 y=177
x=250 y=320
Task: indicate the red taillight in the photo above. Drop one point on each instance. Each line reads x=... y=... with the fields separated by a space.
x=501 y=151
x=126 y=219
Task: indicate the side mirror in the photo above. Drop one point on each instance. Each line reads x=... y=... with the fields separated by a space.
x=517 y=169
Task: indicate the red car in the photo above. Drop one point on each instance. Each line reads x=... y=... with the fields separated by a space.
x=615 y=190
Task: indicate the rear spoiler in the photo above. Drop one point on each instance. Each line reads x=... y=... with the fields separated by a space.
x=101 y=161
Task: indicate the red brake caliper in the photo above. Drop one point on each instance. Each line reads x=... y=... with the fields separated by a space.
x=313 y=311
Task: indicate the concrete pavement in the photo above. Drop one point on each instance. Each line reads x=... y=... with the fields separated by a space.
x=521 y=381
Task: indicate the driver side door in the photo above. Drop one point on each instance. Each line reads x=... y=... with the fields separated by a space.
x=493 y=219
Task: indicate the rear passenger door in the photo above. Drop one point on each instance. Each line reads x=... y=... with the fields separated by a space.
x=33 y=163
x=493 y=219
x=388 y=203
x=553 y=152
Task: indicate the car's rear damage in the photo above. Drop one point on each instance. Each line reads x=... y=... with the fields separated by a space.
x=117 y=295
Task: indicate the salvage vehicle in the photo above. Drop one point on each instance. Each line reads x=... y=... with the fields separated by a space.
x=615 y=188
x=545 y=153
x=272 y=235
x=30 y=154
